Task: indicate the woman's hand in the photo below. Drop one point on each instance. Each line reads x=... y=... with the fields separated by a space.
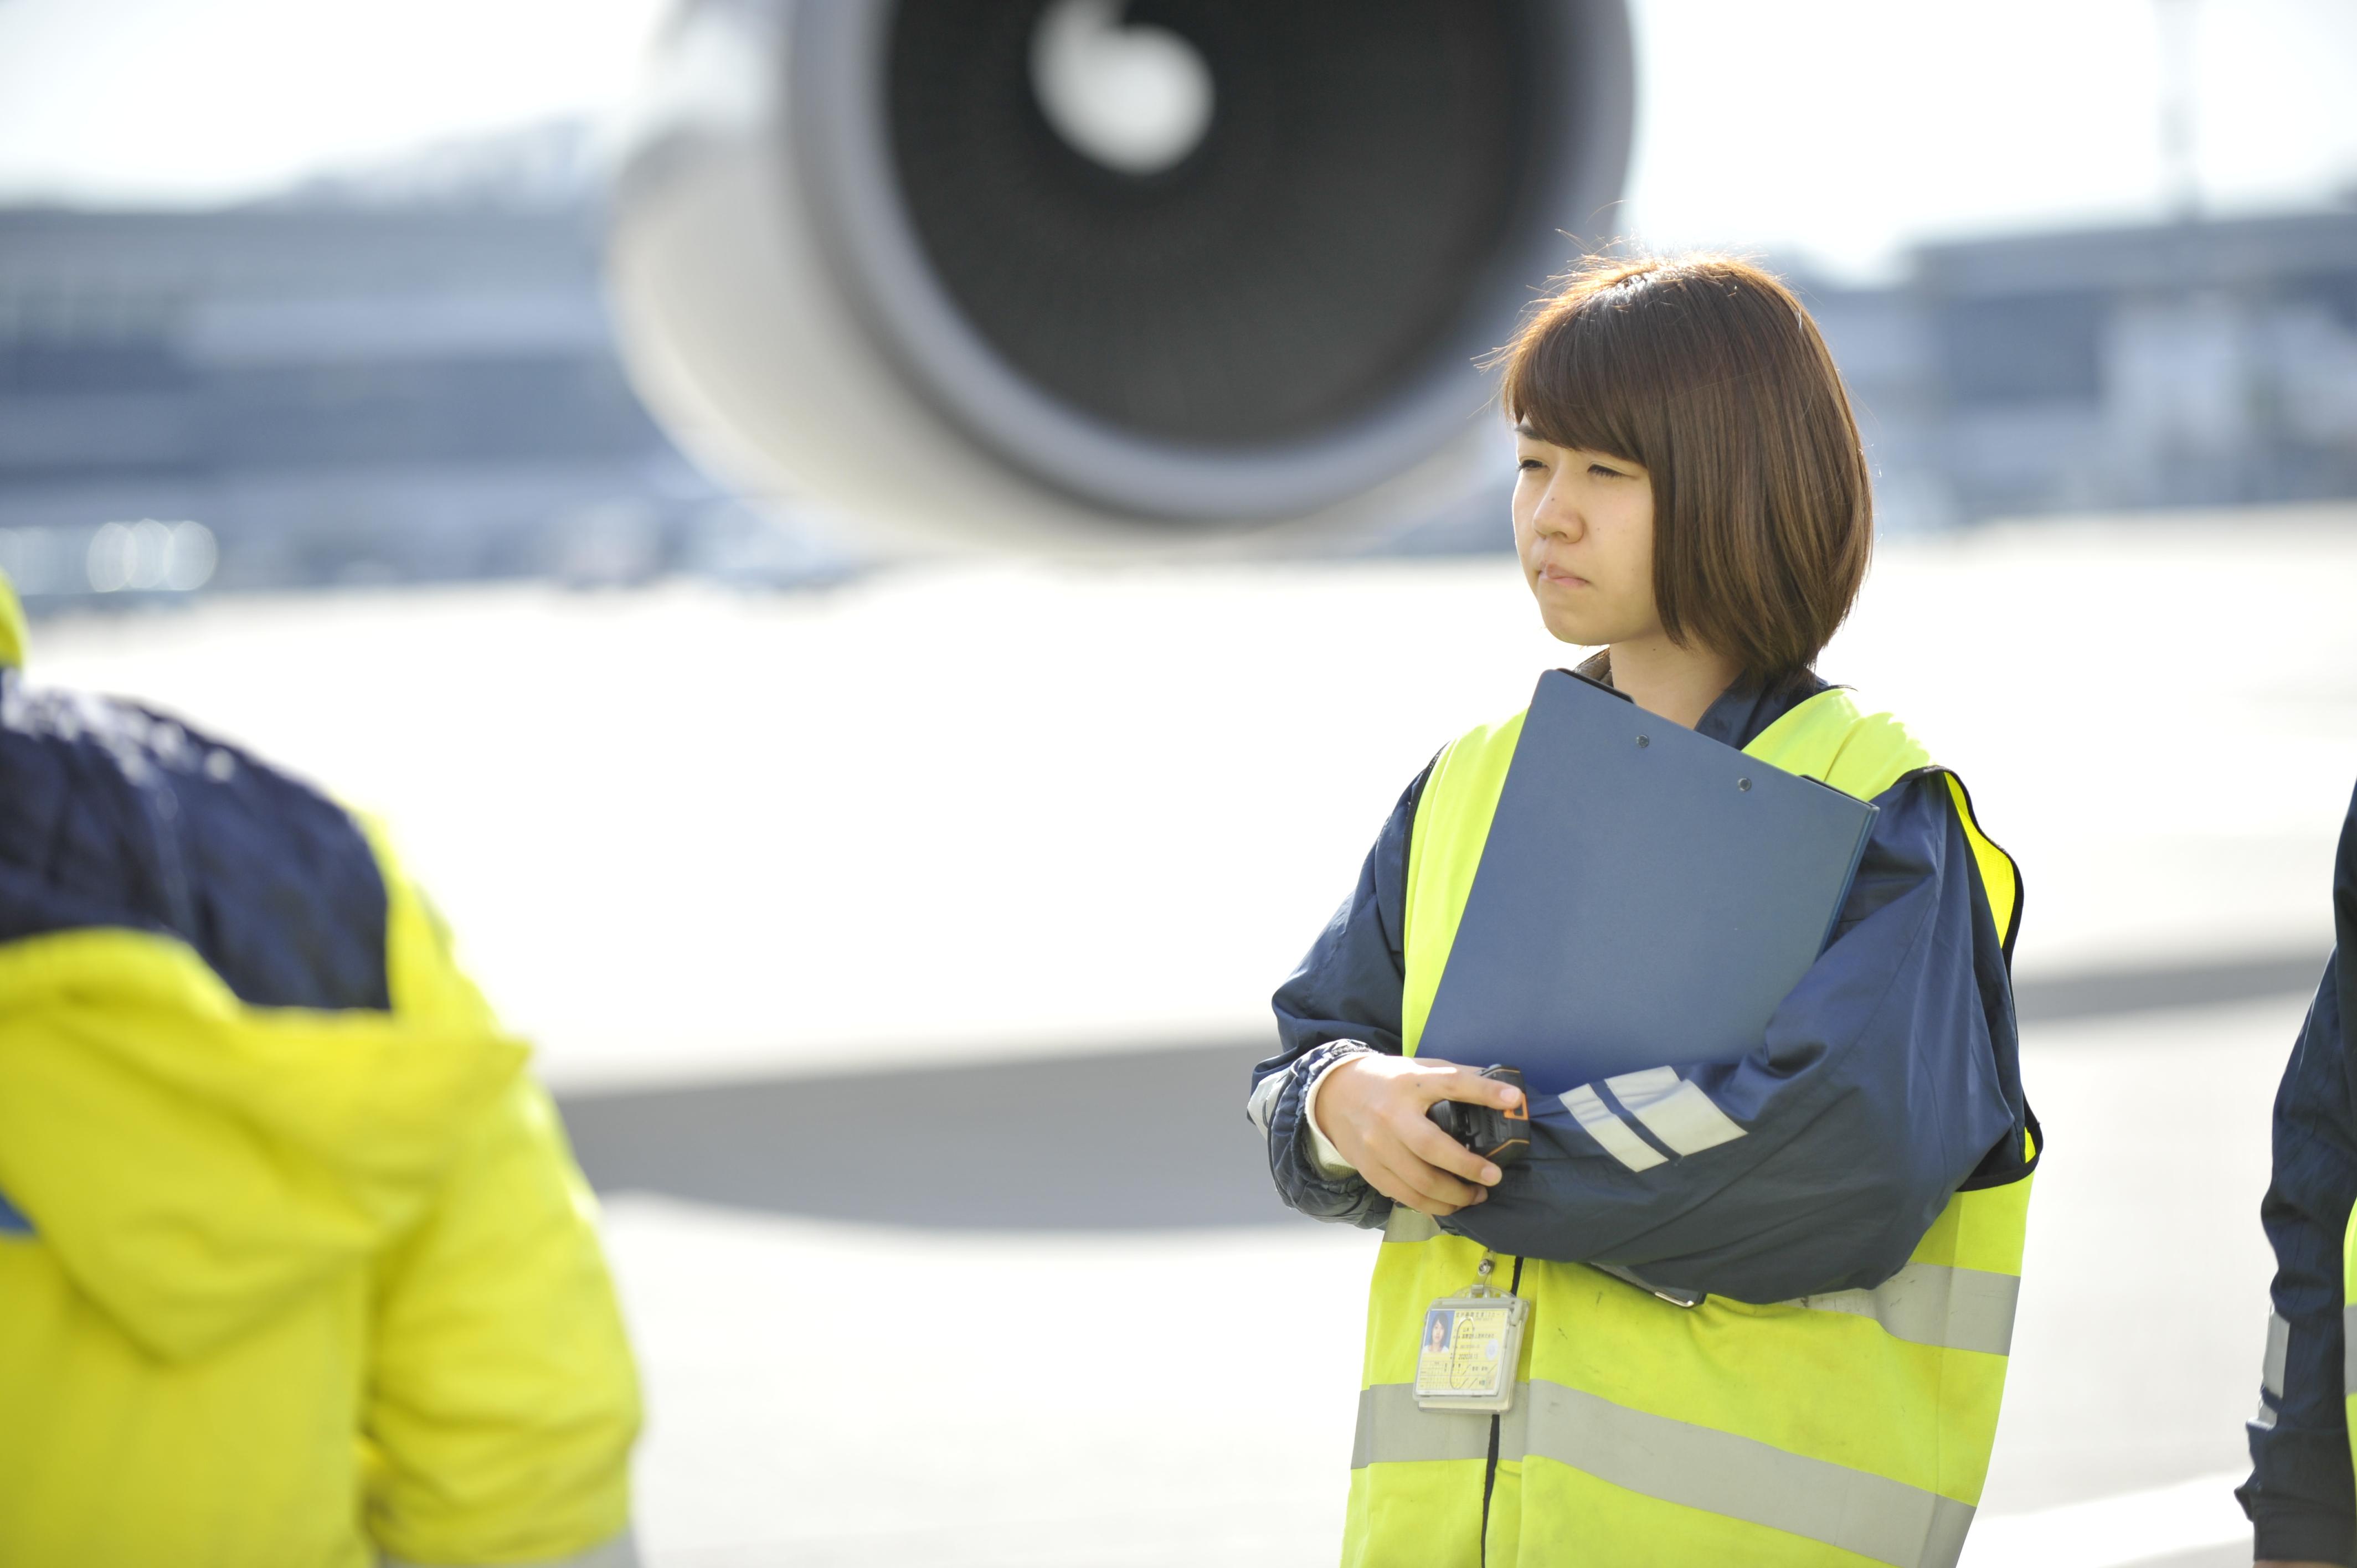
x=1372 y=1109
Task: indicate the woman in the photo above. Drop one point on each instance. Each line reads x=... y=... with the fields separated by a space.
x=1767 y=1304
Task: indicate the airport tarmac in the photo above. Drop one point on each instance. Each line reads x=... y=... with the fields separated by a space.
x=898 y=954
x=972 y=812
x=946 y=1369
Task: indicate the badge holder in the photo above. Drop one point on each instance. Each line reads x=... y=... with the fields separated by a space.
x=1472 y=1344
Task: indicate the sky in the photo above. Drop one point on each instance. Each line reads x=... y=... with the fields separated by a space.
x=1837 y=130
x=1845 y=128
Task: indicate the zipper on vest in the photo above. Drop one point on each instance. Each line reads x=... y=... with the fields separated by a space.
x=1490 y=1470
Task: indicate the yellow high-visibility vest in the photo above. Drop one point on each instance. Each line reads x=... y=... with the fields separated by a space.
x=1848 y=1429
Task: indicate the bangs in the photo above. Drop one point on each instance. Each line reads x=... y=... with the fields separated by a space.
x=1576 y=377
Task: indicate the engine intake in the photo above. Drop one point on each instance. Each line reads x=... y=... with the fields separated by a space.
x=1030 y=269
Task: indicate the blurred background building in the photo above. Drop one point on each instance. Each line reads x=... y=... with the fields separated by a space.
x=2184 y=363
x=403 y=376
x=408 y=376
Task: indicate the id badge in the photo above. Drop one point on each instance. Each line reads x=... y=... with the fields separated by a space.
x=1472 y=1344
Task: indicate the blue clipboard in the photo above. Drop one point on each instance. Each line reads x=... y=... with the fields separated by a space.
x=1646 y=896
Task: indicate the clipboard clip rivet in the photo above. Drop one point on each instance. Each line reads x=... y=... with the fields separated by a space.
x=1643 y=741
x=1743 y=783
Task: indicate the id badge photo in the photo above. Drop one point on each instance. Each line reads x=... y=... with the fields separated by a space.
x=1472 y=1344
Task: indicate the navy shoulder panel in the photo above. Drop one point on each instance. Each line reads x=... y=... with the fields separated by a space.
x=113 y=814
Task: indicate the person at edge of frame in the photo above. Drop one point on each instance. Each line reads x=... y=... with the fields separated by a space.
x=296 y=1268
x=2301 y=1498
x=1769 y=1303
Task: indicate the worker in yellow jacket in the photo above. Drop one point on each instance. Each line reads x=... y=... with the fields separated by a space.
x=295 y=1267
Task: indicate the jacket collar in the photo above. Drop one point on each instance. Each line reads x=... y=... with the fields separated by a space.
x=1745 y=709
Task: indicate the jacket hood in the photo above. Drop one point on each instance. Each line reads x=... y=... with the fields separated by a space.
x=196 y=1164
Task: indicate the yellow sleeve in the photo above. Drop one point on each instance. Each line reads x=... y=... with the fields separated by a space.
x=501 y=1399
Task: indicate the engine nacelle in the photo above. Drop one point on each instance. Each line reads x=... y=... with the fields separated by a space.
x=1046 y=272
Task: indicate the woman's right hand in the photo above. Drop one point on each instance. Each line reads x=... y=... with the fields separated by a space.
x=1373 y=1109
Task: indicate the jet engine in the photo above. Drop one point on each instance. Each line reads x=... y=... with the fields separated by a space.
x=1034 y=273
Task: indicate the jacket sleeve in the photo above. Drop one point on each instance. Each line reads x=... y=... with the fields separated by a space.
x=1343 y=999
x=1888 y=1079
x=2302 y=1498
x=501 y=1400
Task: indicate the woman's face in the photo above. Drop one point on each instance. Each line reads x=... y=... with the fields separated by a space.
x=1583 y=529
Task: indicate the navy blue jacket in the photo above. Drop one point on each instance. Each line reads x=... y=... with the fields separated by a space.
x=113 y=814
x=2301 y=1496
x=1888 y=1079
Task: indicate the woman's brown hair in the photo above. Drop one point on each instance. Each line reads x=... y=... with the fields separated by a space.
x=1706 y=371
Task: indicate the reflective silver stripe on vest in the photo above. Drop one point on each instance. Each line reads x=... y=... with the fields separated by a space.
x=1393 y=1431
x=1931 y=1303
x=622 y=1552
x=1678 y=1461
x=1924 y=1304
